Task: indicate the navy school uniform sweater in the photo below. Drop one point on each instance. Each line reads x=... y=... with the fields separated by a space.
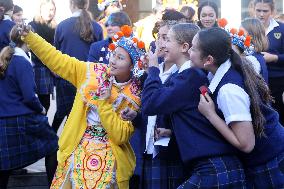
x=266 y=148
x=68 y=40
x=5 y=28
x=99 y=51
x=263 y=66
x=276 y=46
x=195 y=136
x=17 y=89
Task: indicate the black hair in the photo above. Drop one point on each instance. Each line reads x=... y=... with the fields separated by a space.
x=172 y=15
x=217 y=43
x=17 y=9
x=119 y=19
x=204 y=4
x=7 y=5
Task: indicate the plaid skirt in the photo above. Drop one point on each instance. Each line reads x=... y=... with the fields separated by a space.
x=135 y=181
x=162 y=173
x=44 y=80
x=267 y=176
x=24 y=140
x=224 y=172
x=65 y=95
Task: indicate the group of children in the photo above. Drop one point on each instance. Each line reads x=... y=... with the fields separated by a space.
x=195 y=109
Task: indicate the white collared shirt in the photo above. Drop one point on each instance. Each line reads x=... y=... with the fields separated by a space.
x=22 y=53
x=76 y=13
x=164 y=75
x=6 y=17
x=272 y=24
x=150 y=149
x=185 y=66
x=232 y=100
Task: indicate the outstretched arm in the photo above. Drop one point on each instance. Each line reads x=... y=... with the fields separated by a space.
x=63 y=65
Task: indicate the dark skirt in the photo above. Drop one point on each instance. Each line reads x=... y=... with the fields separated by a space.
x=44 y=80
x=65 y=95
x=162 y=172
x=224 y=172
x=24 y=140
x=269 y=175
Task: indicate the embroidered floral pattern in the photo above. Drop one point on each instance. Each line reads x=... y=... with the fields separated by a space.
x=135 y=87
x=103 y=78
x=91 y=165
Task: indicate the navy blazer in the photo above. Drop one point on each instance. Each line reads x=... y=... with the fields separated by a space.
x=195 y=136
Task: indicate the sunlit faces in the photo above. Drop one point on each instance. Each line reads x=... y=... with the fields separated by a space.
x=195 y=54
x=18 y=17
x=47 y=11
x=162 y=39
x=208 y=16
x=263 y=12
x=120 y=63
x=172 y=48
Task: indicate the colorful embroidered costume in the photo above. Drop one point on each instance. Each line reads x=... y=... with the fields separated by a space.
x=94 y=149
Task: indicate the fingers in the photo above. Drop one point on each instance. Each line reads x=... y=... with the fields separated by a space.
x=208 y=98
x=202 y=98
x=125 y=110
x=156 y=133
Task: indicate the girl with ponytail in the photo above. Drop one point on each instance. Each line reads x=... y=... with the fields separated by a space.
x=25 y=134
x=204 y=152
x=74 y=37
x=243 y=101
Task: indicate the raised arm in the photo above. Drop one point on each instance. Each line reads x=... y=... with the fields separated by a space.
x=63 y=65
x=159 y=99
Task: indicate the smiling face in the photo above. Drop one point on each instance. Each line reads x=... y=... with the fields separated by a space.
x=263 y=12
x=162 y=40
x=208 y=16
x=120 y=63
x=172 y=48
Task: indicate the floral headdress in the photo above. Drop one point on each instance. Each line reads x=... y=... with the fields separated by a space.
x=238 y=37
x=102 y=4
x=134 y=47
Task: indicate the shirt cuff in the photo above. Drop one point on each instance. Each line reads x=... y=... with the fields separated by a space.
x=238 y=117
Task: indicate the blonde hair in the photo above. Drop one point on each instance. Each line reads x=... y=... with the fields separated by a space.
x=7 y=52
x=38 y=18
x=256 y=29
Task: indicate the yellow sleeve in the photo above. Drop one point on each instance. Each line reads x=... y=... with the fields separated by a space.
x=119 y=131
x=63 y=65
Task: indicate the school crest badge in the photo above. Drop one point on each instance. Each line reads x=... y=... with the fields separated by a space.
x=277 y=35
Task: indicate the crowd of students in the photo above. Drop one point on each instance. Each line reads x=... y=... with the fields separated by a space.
x=193 y=111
